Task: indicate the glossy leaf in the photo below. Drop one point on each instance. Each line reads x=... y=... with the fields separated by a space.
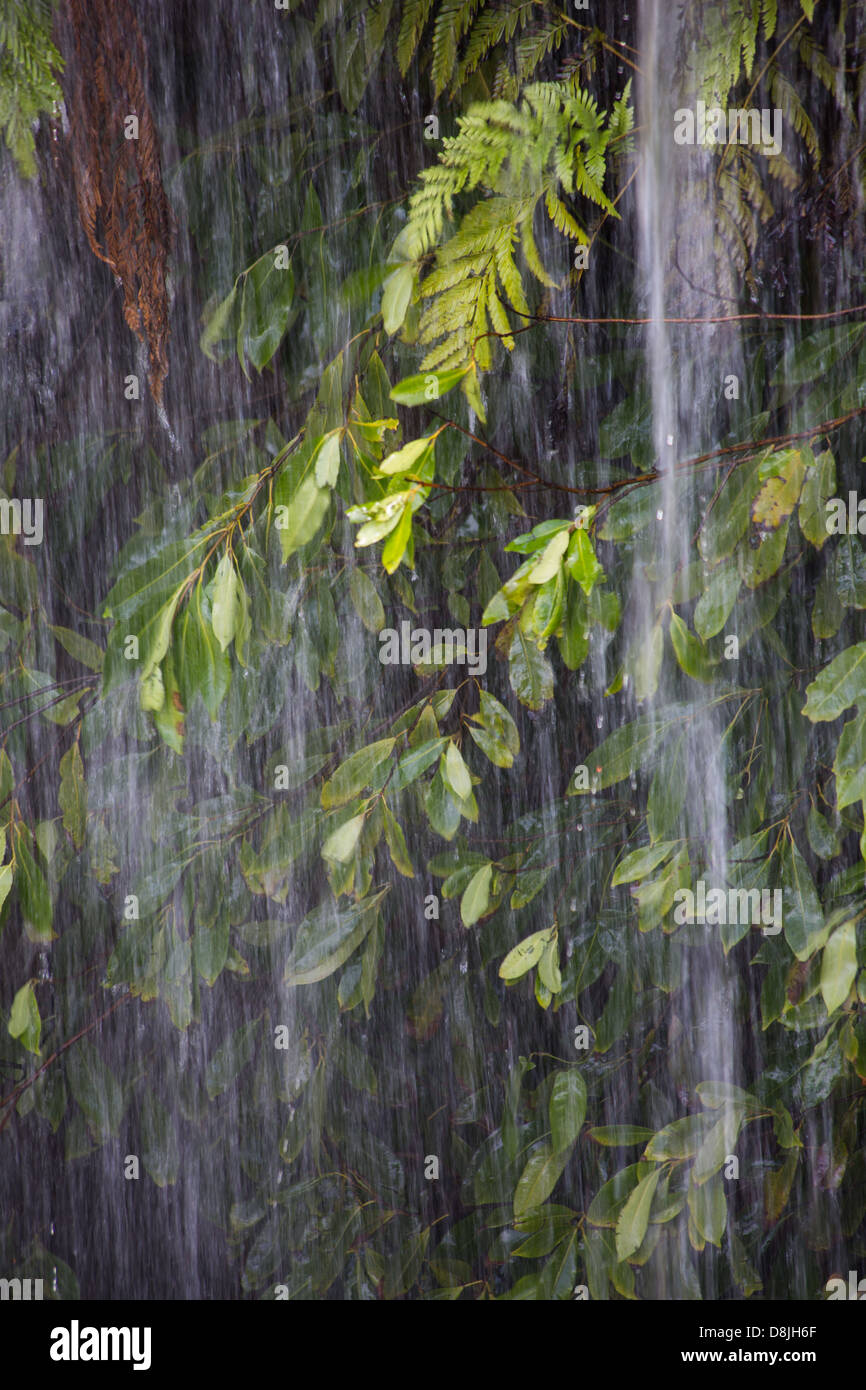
x=25 y=1023
x=839 y=966
x=475 y=900
x=567 y=1109
x=543 y=1170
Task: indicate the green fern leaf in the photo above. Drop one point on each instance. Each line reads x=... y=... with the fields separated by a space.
x=412 y=23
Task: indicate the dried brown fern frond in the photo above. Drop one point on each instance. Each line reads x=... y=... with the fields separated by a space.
x=121 y=199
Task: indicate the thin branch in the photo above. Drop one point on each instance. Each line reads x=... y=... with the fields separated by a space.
x=24 y=1085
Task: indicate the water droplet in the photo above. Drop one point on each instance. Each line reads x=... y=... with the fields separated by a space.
x=579 y=826
x=599 y=721
x=660 y=515
x=669 y=441
x=572 y=906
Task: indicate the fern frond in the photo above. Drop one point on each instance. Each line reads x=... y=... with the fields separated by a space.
x=753 y=189
x=770 y=17
x=535 y=46
x=553 y=144
x=785 y=97
x=621 y=119
x=531 y=255
x=727 y=40
x=817 y=62
x=778 y=168
x=412 y=23
x=495 y=25
x=452 y=22
x=749 y=35
x=562 y=218
x=28 y=86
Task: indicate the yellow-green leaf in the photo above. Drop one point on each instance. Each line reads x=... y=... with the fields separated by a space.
x=524 y=955
x=85 y=651
x=634 y=1217
x=355 y=773
x=72 y=795
x=455 y=772
x=413 y=453
x=839 y=966
x=328 y=461
x=224 y=604
x=567 y=1109
x=340 y=844
x=24 y=1021
x=473 y=904
x=539 y=1178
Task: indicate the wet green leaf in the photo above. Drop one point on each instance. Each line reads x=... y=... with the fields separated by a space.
x=72 y=795
x=582 y=563
x=641 y=862
x=839 y=966
x=429 y=386
x=709 y=1209
x=802 y=915
x=455 y=772
x=538 y=1179
x=716 y=603
x=530 y=672
x=203 y=667
x=95 y=1088
x=79 y=647
x=476 y=898
x=681 y=1139
x=839 y=685
x=567 y=1108
x=634 y=1217
x=327 y=461
x=159 y=1147
x=620 y=1136
x=326 y=939
x=689 y=651
x=224 y=601
x=397 y=293
x=302 y=516
x=33 y=893
x=25 y=1023
x=340 y=844
x=229 y=1060
x=366 y=600
x=356 y=773
x=522 y=957
x=849 y=767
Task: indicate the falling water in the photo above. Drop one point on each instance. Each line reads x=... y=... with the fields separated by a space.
x=677 y=224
